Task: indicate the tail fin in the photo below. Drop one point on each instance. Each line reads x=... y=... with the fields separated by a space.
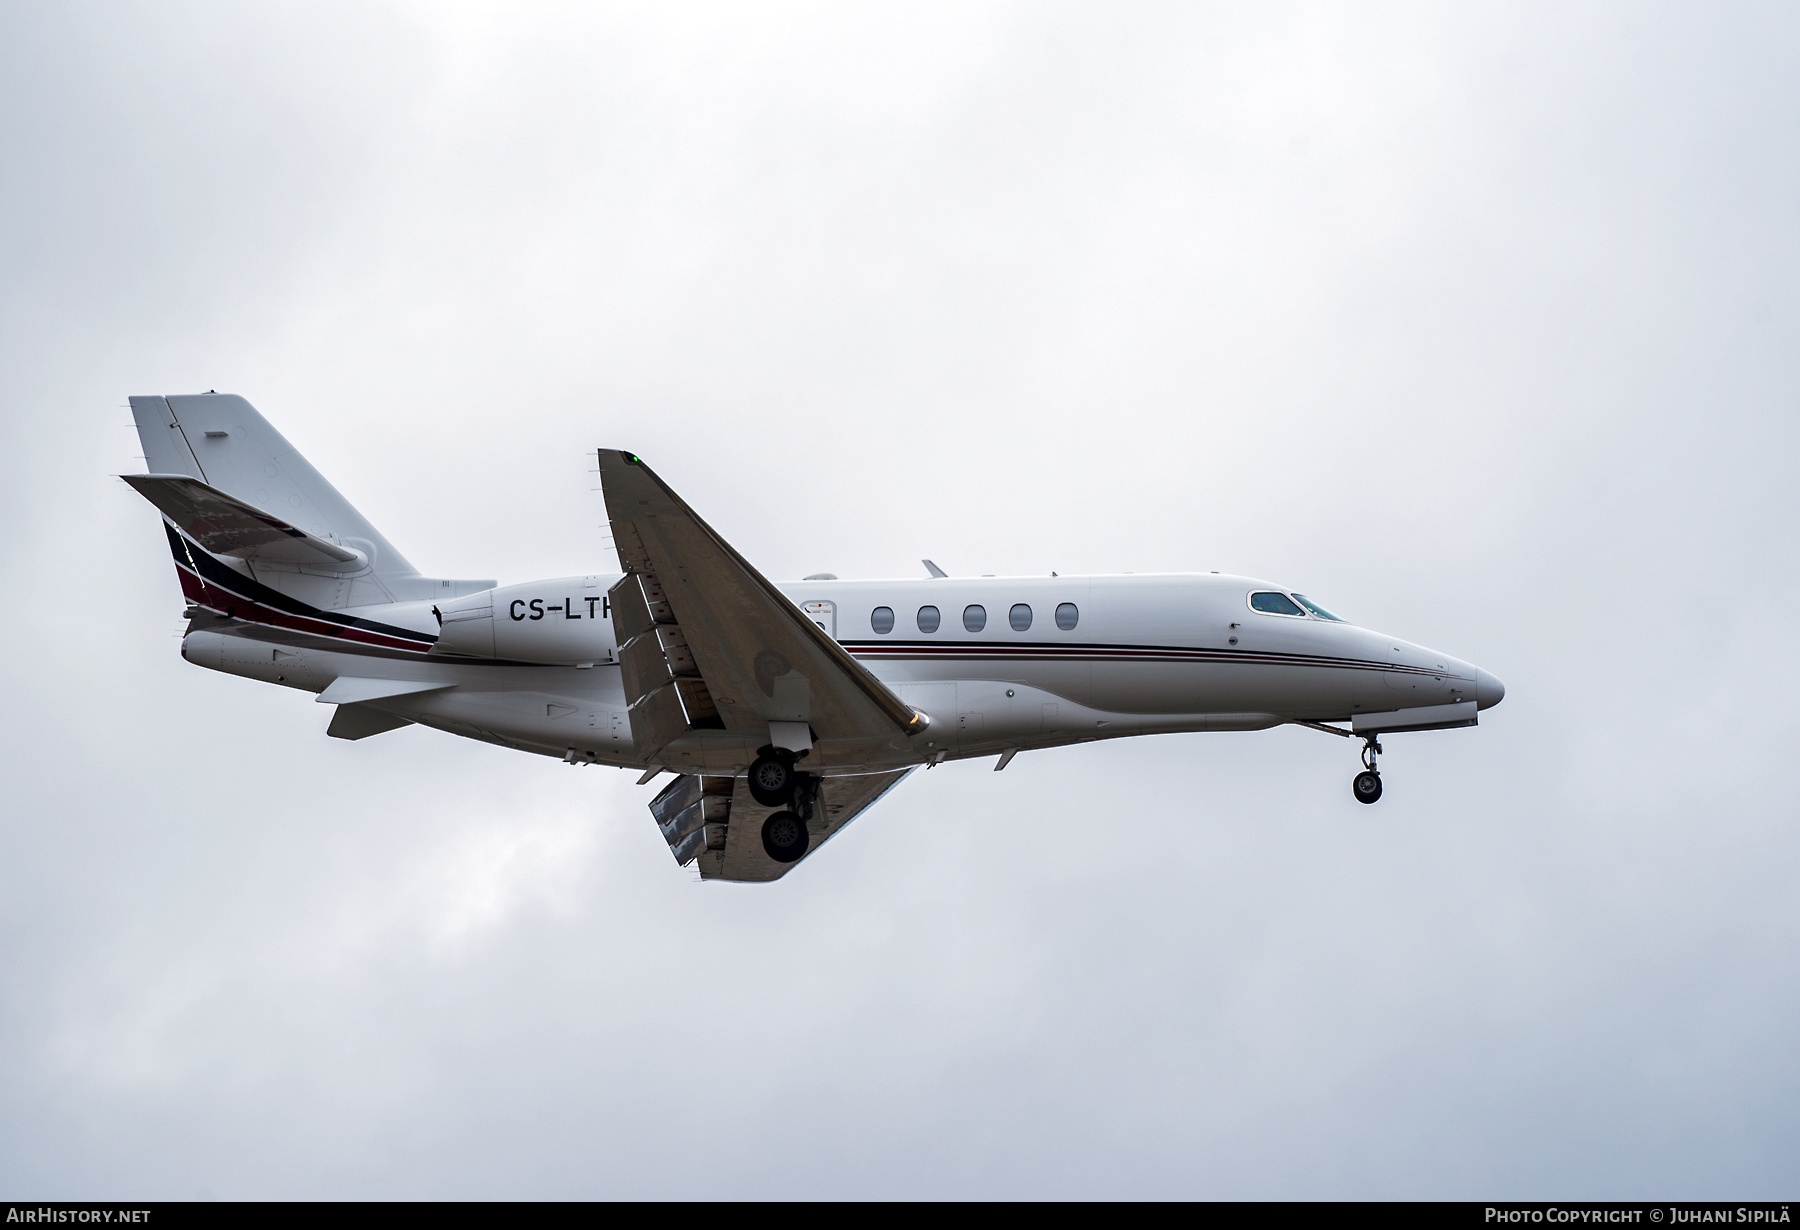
x=220 y=439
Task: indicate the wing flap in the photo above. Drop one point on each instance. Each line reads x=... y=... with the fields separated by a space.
x=226 y=525
x=693 y=812
x=658 y=719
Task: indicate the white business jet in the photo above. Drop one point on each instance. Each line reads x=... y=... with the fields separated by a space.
x=783 y=710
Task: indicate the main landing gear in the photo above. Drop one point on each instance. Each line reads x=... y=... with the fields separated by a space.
x=776 y=782
x=784 y=837
x=773 y=777
x=1367 y=786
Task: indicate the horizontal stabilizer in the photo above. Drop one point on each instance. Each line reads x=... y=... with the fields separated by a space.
x=356 y=722
x=225 y=525
x=348 y=690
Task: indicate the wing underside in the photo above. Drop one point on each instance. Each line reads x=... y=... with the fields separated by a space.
x=714 y=824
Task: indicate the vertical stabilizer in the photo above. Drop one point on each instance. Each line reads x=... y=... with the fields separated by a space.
x=220 y=439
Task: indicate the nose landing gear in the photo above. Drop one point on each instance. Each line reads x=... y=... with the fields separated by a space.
x=1367 y=786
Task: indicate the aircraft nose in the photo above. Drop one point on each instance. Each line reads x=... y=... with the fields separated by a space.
x=1489 y=691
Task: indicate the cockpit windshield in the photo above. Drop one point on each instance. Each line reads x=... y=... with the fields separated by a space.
x=1318 y=610
x=1275 y=604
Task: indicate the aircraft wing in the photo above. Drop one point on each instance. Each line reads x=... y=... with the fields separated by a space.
x=713 y=822
x=706 y=642
x=226 y=525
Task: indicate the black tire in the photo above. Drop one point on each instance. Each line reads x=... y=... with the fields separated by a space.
x=784 y=837
x=772 y=781
x=1366 y=787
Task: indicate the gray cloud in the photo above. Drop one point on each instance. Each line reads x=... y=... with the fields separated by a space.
x=1476 y=323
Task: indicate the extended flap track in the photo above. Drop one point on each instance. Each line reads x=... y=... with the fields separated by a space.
x=663 y=688
x=693 y=813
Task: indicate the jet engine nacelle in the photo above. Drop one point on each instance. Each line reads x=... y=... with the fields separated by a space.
x=564 y=621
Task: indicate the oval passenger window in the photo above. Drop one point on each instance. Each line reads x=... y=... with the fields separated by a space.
x=1274 y=604
x=1020 y=618
x=882 y=620
x=974 y=618
x=928 y=619
x=1067 y=616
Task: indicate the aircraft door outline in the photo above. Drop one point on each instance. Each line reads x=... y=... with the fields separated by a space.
x=824 y=614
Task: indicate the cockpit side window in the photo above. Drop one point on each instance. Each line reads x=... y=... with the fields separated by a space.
x=1270 y=603
x=1318 y=610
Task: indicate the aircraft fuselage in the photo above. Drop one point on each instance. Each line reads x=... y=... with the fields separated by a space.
x=1009 y=663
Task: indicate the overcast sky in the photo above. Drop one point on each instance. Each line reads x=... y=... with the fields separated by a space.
x=1476 y=323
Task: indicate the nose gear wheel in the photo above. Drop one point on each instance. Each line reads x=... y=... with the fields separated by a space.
x=1367 y=786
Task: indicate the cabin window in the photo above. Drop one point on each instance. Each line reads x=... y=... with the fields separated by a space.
x=1274 y=604
x=1067 y=616
x=882 y=620
x=974 y=618
x=1020 y=618
x=928 y=619
x=1318 y=610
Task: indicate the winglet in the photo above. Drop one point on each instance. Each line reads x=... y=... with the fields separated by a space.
x=933 y=569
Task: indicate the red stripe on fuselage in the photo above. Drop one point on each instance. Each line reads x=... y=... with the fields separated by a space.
x=1122 y=653
x=199 y=590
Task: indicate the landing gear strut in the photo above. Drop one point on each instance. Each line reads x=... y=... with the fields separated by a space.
x=1367 y=786
x=806 y=789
